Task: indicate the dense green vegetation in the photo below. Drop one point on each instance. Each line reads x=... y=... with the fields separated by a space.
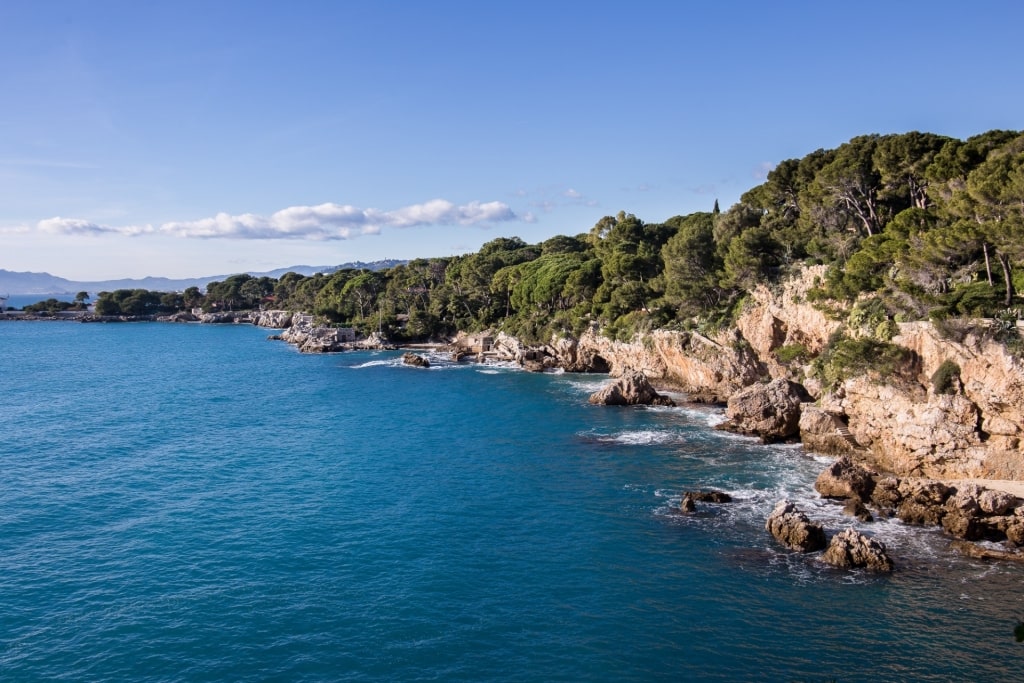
x=911 y=226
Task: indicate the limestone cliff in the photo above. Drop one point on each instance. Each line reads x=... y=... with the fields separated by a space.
x=705 y=368
x=783 y=316
x=909 y=429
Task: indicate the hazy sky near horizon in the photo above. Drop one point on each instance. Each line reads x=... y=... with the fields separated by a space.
x=194 y=138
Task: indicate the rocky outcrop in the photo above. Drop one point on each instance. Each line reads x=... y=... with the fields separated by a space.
x=631 y=389
x=783 y=316
x=770 y=411
x=225 y=317
x=911 y=430
x=706 y=369
x=844 y=479
x=852 y=549
x=793 y=529
x=415 y=360
x=922 y=502
x=717 y=497
x=277 y=320
x=689 y=501
x=983 y=553
x=824 y=432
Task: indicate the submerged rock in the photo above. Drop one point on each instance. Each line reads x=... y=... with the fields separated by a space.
x=793 y=529
x=983 y=553
x=852 y=549
x=631 y=389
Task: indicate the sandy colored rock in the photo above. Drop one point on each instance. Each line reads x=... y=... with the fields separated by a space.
x=793 y=529
x=631 y=389
x=845 y=479
x=770 y=411
x=852 y=549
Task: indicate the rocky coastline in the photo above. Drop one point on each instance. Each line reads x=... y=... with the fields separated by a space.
x=950 y=456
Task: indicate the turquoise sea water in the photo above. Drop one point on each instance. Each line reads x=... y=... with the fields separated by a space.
x=196 y=503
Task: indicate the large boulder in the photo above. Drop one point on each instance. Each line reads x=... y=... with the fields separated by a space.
x=922 y=501
x=963 y=513
x=631 y=389
x=273 y=319
x=710 y=496
x=793 y=529
x=852 y=549
x=415 y=360
x=886 y=495
x=770 y=411
x=845 y=479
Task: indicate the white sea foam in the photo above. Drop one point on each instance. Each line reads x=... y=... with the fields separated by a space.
x=644 y=437
x=391 y=362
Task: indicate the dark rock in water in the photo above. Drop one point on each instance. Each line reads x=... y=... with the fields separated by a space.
x=852 y=549
x=631 y=389
x=962 y=517
x=709 y=496
x=886 y=495
x=770 y=411
x=687 y=505
x=923 y=502
x=533 y=365
x=845 y=479
x=855 y=508
x=793 y=529
x=415 y=361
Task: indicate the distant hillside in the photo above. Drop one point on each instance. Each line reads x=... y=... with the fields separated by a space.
x=22 y=283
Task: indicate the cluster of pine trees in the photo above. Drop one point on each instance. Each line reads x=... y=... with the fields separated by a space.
x=910 y=225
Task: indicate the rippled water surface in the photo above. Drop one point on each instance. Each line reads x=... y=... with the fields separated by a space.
x=195 y=503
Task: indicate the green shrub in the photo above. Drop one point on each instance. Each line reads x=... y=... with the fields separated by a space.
x=791 y=352
x=844 y=358
x=946 y=378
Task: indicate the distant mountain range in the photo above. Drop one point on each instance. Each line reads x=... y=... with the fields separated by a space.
x=15 y=283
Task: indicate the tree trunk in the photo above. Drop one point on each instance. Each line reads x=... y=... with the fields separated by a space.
x=1004 y=261
x=988 y=266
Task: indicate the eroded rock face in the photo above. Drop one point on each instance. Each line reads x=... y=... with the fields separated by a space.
x=631 y=389
x=922 y=502
x=886 y=494
x=852 y=549
x=910 y=430
x=824 y=432
x=793 y=529
x=845 y=479
x=707 y=369
x=273 y=319
x=770 y=411
x=785 y=316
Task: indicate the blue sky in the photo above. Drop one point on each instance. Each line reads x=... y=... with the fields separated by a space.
x=195 y=138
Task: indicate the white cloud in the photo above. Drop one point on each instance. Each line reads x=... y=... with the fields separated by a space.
x=572 y=194
x=321 y=222
x=77 y=226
